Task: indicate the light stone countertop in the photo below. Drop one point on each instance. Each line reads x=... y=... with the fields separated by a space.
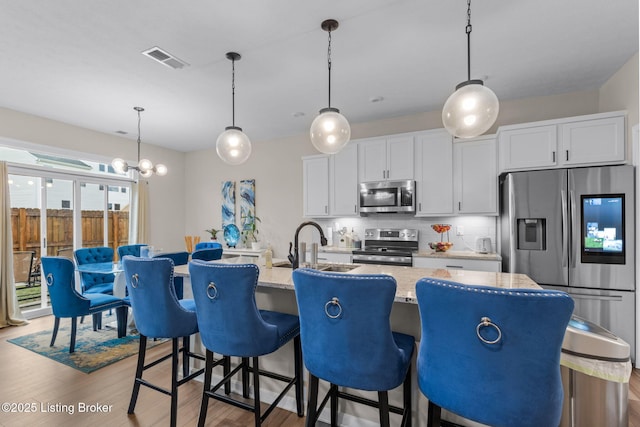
x=406 y=277
x=459 y=255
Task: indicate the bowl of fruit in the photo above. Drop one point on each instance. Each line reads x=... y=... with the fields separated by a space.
x=440 y=246
x=441 y=228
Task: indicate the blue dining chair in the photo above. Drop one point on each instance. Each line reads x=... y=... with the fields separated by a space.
x=492 y=355
x=207 y=245
x=347 y=341
x=94 y=283
x=133 y=250
x=231 y=324
x=207 y=254
x=178 y=258
x=159 y=314
x=66 y=302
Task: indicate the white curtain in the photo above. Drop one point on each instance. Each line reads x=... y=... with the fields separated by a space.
x=10 y=314
x=139 y=215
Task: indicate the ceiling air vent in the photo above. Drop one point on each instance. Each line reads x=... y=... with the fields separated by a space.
x=165 y=58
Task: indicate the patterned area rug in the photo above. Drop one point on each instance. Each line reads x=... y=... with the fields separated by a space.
x=94 y=350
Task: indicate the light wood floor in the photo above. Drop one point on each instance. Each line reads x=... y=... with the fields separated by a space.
x=26 y=377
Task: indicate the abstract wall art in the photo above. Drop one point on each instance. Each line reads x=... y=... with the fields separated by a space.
x=247 y=199
x=228 y=203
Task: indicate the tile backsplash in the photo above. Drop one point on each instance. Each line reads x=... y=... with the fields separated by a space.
x=472 y=227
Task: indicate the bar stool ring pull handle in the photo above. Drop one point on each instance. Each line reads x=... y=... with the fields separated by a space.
x=135 y=280
x=50 y=279
x=334 y=301
x=212 y=285
x=486 y=322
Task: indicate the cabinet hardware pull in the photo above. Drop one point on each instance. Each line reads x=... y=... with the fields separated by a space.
x=326 y=209
x=355 y=208
x=420 y=207
x=553 y=154
x=454 y=266
x=459 y=205
x=567 y=159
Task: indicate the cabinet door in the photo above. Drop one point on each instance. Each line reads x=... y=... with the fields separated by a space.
x=344 y=182
x=593 y=141
x=316 y=186
x=529 y=148
x=434 y=173
x=372 y=155
x=475 y=177
x=400 y=158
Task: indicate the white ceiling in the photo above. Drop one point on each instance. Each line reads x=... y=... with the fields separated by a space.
x=80 y=61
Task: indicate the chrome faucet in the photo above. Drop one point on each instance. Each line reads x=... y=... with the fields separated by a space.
x=295 y=256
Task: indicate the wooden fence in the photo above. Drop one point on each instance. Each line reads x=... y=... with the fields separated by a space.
x=25 y=224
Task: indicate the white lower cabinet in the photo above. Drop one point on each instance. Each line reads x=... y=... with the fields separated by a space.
x=458 y=264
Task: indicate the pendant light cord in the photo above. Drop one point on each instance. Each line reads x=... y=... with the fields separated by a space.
x=138 y=135
x=233 y=92
x=468 y=31
x=329 y=66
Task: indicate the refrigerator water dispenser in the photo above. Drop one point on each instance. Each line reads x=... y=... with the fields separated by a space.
x=531 y=234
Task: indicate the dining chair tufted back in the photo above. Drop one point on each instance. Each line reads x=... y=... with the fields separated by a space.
x=492 y=355
x=92 y=282
x=207 y=245
x=210 y=254
x=133 y=250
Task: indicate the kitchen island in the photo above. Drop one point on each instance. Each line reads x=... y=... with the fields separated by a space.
x=275 y=291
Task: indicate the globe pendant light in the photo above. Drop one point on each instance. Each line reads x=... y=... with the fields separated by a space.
x=145 y=168
x=473 y=108
x=330 y=130
x=233 y=146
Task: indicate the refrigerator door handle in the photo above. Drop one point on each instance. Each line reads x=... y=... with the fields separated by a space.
x=565 y=231
x=512 y=229
x=576 y=219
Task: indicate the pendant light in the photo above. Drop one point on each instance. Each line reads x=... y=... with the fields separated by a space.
x=330 y=130
x=473 y=108
x=145 y=168
x=233 y=146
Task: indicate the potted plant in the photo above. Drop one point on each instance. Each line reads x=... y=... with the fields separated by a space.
x=250 y=231
x=213 y=233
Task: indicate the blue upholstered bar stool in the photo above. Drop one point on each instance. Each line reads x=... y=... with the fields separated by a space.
x=59 y=273
x=178 y=258
x=159 y=314
x=492 y=355
x=207 y=245
x=347 y=340
x=209 y=254
x=133 y=250
x=231 y=324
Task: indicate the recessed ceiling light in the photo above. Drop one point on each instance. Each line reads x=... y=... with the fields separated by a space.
x=298 y=114
x=375 y=99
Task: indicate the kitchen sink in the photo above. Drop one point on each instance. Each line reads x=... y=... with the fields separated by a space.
x=339 y=268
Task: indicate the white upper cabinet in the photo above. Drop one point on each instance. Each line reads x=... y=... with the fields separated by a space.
x=315 y=175
x=382 y=159
x=330 y=184
x=343 y=182
x=529 y=148
x=596 y=139
x=593 y=141
x=475 y=176
x=434 y=173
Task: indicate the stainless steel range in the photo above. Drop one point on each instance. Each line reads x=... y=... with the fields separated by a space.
x=387 y=246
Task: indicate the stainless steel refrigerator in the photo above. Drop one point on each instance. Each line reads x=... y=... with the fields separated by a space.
x=573 y=230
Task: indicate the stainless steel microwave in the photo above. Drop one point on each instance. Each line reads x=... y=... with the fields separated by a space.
x=387 y=196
